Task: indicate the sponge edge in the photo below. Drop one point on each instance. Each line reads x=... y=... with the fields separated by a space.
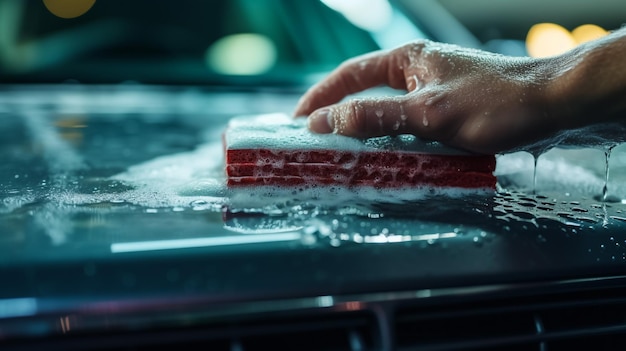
x=275 y=149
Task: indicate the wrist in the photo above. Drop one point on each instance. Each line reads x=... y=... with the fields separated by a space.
x=587 y=85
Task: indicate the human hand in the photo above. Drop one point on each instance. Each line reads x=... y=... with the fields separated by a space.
x=467 y=98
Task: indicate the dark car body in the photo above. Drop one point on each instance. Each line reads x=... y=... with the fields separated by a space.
x=116 y=232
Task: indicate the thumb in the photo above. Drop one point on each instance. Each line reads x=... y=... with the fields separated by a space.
x=362 y=118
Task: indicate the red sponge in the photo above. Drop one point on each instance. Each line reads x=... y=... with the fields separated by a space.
x=278 y=150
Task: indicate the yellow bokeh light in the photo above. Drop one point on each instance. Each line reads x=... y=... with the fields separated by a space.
x=242 y=54
x=68 y=8
x=548 y=39
x=588 y=32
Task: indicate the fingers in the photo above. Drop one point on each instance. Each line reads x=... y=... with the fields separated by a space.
x=355 y=75
x=363 y=118
x=427 y=114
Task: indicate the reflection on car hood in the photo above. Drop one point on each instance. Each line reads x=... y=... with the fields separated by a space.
x=119 y=191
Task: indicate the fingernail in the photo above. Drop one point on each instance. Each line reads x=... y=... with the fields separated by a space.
x=321 y=121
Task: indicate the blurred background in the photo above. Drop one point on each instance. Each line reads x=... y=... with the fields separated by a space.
x=268 y=42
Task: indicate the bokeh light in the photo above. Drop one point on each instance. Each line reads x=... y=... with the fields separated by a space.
x=550 y=39
x=69 y=8
x=242 y=54
x=588 y=32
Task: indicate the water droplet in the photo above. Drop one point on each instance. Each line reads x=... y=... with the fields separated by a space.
x=535 y=160
x=477 y=241
x=607 y=156
x=425 y=121
x=201 y=205
x=415 y=82
x=380 y=113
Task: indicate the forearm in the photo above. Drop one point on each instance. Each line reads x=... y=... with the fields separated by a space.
x=588 y=84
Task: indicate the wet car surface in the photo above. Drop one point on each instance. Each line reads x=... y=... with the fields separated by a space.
x=129 y=203
x=117 y=225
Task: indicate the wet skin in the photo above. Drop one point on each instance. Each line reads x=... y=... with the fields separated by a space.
x=472 y=99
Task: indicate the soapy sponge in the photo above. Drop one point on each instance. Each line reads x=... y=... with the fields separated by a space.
x=278 y=150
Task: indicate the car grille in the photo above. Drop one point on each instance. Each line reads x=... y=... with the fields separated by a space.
x=558 y=322
x=565 y=320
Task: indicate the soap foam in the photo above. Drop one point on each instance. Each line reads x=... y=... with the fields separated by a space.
x=600 y=136
x=180 y=179
x=557 y=171
x=281 y=132
x=338 y=196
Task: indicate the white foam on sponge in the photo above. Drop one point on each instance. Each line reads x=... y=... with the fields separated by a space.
x=187 y=178
x=280 y=132
x=341 y=196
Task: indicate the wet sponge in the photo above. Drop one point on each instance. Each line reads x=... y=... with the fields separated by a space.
x=276 y=149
